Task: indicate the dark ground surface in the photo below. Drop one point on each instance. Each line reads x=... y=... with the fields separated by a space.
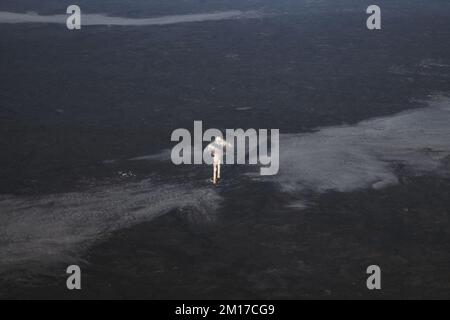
x=257 y=250
x=70 y=100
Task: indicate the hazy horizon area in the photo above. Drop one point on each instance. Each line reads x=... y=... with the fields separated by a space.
x=102 y=19
x=151 y=8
